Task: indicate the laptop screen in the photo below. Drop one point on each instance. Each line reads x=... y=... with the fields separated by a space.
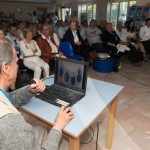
x=71 y=73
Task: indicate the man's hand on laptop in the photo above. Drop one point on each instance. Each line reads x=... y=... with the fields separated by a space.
x=63 y=117
x=36 y=86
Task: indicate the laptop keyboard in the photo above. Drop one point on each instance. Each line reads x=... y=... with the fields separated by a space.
x=54 y=92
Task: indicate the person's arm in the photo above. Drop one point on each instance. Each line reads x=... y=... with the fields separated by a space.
x=143 y=34
x=56 y=39
x=17 y=134
x=106 y=40
x=23 y=95
x=69 y=37
x=20 y=96
x=90 y=33
x=24 y=50
x=61 y=33
x=98 y=31
x=38 y=53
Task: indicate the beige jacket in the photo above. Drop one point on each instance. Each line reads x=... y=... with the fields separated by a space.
x=6 y=107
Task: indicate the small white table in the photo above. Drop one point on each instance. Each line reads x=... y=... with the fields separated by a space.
x=99 y=95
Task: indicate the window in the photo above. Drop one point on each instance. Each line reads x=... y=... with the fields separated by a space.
x=86 y=12
x=119 y=11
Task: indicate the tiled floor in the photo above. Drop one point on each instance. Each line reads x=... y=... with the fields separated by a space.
x=132 y=124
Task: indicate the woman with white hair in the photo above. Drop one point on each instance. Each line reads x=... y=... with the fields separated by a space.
x=31 y=53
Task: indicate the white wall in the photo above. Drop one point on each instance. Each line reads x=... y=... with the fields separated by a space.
x=12 y=7
x=143 y=2
x=102 y=9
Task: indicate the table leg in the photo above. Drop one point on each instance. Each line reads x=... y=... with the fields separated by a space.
x=74 y=144
x=111 y=121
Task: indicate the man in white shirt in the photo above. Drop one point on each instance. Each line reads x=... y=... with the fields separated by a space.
x=83 y=28
x=14 y=37
x=48 y=44
x=68 y=17
x=20 y=30
x=73 y=36
x=145 y=35
x=34 y=17
x=93 y=36
x=61 y=30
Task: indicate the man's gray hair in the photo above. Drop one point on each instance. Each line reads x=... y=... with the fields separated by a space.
x=6 y=51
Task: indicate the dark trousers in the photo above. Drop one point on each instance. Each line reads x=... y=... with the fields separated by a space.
x=83 y=50
x=146 y=46
x=113 y=52
x=97 y=47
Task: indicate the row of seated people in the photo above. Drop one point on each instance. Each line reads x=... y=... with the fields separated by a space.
x=140 y=41
x=98 y=38
x=126 y=34
x=48 y=43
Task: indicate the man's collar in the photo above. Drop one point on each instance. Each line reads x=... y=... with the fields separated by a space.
x=12 y=35
x=45 y=37
x=74 y=31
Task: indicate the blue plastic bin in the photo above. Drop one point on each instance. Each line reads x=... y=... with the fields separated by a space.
x=104 y=65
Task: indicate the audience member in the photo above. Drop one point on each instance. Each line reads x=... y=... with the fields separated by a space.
x=111 y=40
x=21 y=27
x=93 y=36
x=145 y=35
x=14 y=37
x=83 y=28
x=132 y=38
x=73 y=36
x=55 y=40
x=31 y=53
x=102 y=25
x=47 y=46
x=61 y=30
x=134 y=55
x=68 y=17
x=35 y=31
x=34 y=17
x=56 y=27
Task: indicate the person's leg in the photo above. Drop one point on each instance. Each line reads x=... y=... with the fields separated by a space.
x=97 y=47
x=85 y=50
x=43 y=65
x=133 y=54
x=112 y=51
x=142 y=49
x=117 y=55
x=33 y=66
x=77 y=50
x=40 y=134
x=146 y=45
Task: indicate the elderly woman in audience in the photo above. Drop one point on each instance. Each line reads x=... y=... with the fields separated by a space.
x=132 y=38
x=31 y=53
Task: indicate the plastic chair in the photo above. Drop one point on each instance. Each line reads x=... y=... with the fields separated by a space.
x=67 y=50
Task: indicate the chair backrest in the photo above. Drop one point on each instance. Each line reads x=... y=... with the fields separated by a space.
x=66 y=48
